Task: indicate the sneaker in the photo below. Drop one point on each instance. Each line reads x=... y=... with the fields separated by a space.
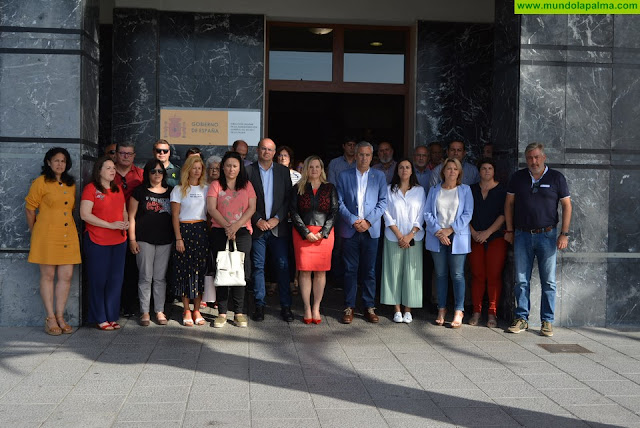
x=546 y=329
x=241 y=320
x=407 y=318
x=518 y=325
x=219 y=322
x=397 y=317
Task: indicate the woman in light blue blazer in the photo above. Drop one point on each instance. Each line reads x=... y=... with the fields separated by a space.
x=448 y=213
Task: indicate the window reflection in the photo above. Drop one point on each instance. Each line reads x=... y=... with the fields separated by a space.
x=300 y=53
x=374 y=56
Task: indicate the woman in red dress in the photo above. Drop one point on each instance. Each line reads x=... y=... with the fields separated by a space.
x=314 y=207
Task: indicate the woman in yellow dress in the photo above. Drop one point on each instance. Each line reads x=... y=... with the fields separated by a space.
x=54 y=238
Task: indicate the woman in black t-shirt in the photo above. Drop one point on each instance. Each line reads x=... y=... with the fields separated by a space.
x=488 y=247
x=151 y=237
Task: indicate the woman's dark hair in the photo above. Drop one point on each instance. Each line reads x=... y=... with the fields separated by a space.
x=65 y=177
x=241 y=179
x=395 y=181
x=289 y=151
x=490 y=161
x=193 y=151
x=152 y=164
x=96 y=175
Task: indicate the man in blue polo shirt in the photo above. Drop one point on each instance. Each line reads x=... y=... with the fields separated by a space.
x=531 y=214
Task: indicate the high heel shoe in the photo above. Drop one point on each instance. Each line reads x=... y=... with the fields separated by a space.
x=307 y=320
x=457 y=319
x=66 y=328
x=53 y=331
x=317 y=321
x=440 y=319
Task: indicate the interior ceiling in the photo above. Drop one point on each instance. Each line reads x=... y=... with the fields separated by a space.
x=371 y=12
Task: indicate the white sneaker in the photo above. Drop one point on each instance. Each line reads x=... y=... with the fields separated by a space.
x=407 y=318
x=397 y=317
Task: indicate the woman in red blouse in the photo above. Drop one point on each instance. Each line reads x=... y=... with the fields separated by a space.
x=105 y=238
x=314 y=206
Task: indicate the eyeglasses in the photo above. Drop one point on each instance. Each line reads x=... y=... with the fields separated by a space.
x=535 y=187
x=126 y=154
x=162 y=151
x=283 y=155
x=156 y=171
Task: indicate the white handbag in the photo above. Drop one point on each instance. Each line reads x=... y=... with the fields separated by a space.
x=209 y=294
x=230 y=267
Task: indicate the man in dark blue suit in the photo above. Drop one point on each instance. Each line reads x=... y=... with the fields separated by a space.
x=272 y=183
x=362 y=193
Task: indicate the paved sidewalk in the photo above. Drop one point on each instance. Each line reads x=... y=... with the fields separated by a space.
x=274 y=374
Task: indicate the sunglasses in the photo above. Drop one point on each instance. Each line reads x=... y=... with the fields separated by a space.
x=112 y=152
x=535 y=187
x=163 y=151
x=156 y=171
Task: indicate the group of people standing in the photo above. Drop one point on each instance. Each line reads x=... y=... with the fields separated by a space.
x=167 y=224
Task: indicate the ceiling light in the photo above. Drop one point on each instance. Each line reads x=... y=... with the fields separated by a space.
x=320 y=31
x=376 y=44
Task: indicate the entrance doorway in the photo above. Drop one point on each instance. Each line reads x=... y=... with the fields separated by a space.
x=316 y=123
x=327 y=82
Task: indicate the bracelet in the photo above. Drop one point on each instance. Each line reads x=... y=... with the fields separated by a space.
x=179 y=239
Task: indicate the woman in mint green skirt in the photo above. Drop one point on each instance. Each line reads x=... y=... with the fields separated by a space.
x=403 y=235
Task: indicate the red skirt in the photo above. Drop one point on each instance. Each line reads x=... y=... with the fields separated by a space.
x=313 y=256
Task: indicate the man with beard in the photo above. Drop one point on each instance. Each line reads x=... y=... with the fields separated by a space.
x=387 y=165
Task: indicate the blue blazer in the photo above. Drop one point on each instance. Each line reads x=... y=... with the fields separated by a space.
x=375 y=201
x=461 y=243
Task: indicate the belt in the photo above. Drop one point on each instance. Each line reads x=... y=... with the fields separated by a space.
x=536 y=231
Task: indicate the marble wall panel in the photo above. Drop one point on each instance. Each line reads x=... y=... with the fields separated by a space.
x=105 y=86
x=28 y=40
x=246 y=45
x=590 y=30
x=584 y=292
x=543 y=29
x=625 y=108
x=542 y=106
x=176 y=53
x=588 y=107
x=537 y=53
x=245 y=92
x=590 y=205
x=623 y=292
x=91 y=19
x=134 y=113
x=89 y=108
x=211 y=91
x=135 y=43
x=626 y=40
x=39 y=95
x=42 y=14
x=176 y=90
x=212 y=54
x=624 y=228
x=453 y=89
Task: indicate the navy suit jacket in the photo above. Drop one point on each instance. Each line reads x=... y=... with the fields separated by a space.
x=375 y=201
x=281 y=194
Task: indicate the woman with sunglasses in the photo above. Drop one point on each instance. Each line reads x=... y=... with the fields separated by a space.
x=150 y=238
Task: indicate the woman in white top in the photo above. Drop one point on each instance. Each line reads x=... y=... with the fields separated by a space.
x=448 y=213
x=189 y=215
x=403 y=235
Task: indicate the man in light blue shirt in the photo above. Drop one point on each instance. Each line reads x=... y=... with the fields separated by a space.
x=344 y=162
x=420 y=161
x=458 y=151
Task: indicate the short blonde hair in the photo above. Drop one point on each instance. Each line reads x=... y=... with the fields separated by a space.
x=458 y=165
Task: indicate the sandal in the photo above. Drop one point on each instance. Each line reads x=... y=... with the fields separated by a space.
x=53 y=331
x=145 y=320
x=440 y=319
x=492 y=322
x=457 y=319
x=475 y=318
x=161 y=318
x=66 y=328
x=105 y=326
x=115 y=325
x=187 y=321
x=198 y=320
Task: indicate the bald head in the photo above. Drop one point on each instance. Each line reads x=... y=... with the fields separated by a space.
x=266 y=151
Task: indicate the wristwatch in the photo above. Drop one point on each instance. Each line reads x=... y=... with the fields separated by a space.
x=564 y=234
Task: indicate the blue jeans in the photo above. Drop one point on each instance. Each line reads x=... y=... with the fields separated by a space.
x=360 y=251
x=278 y=248
x=444 y=263
x=526 y=246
